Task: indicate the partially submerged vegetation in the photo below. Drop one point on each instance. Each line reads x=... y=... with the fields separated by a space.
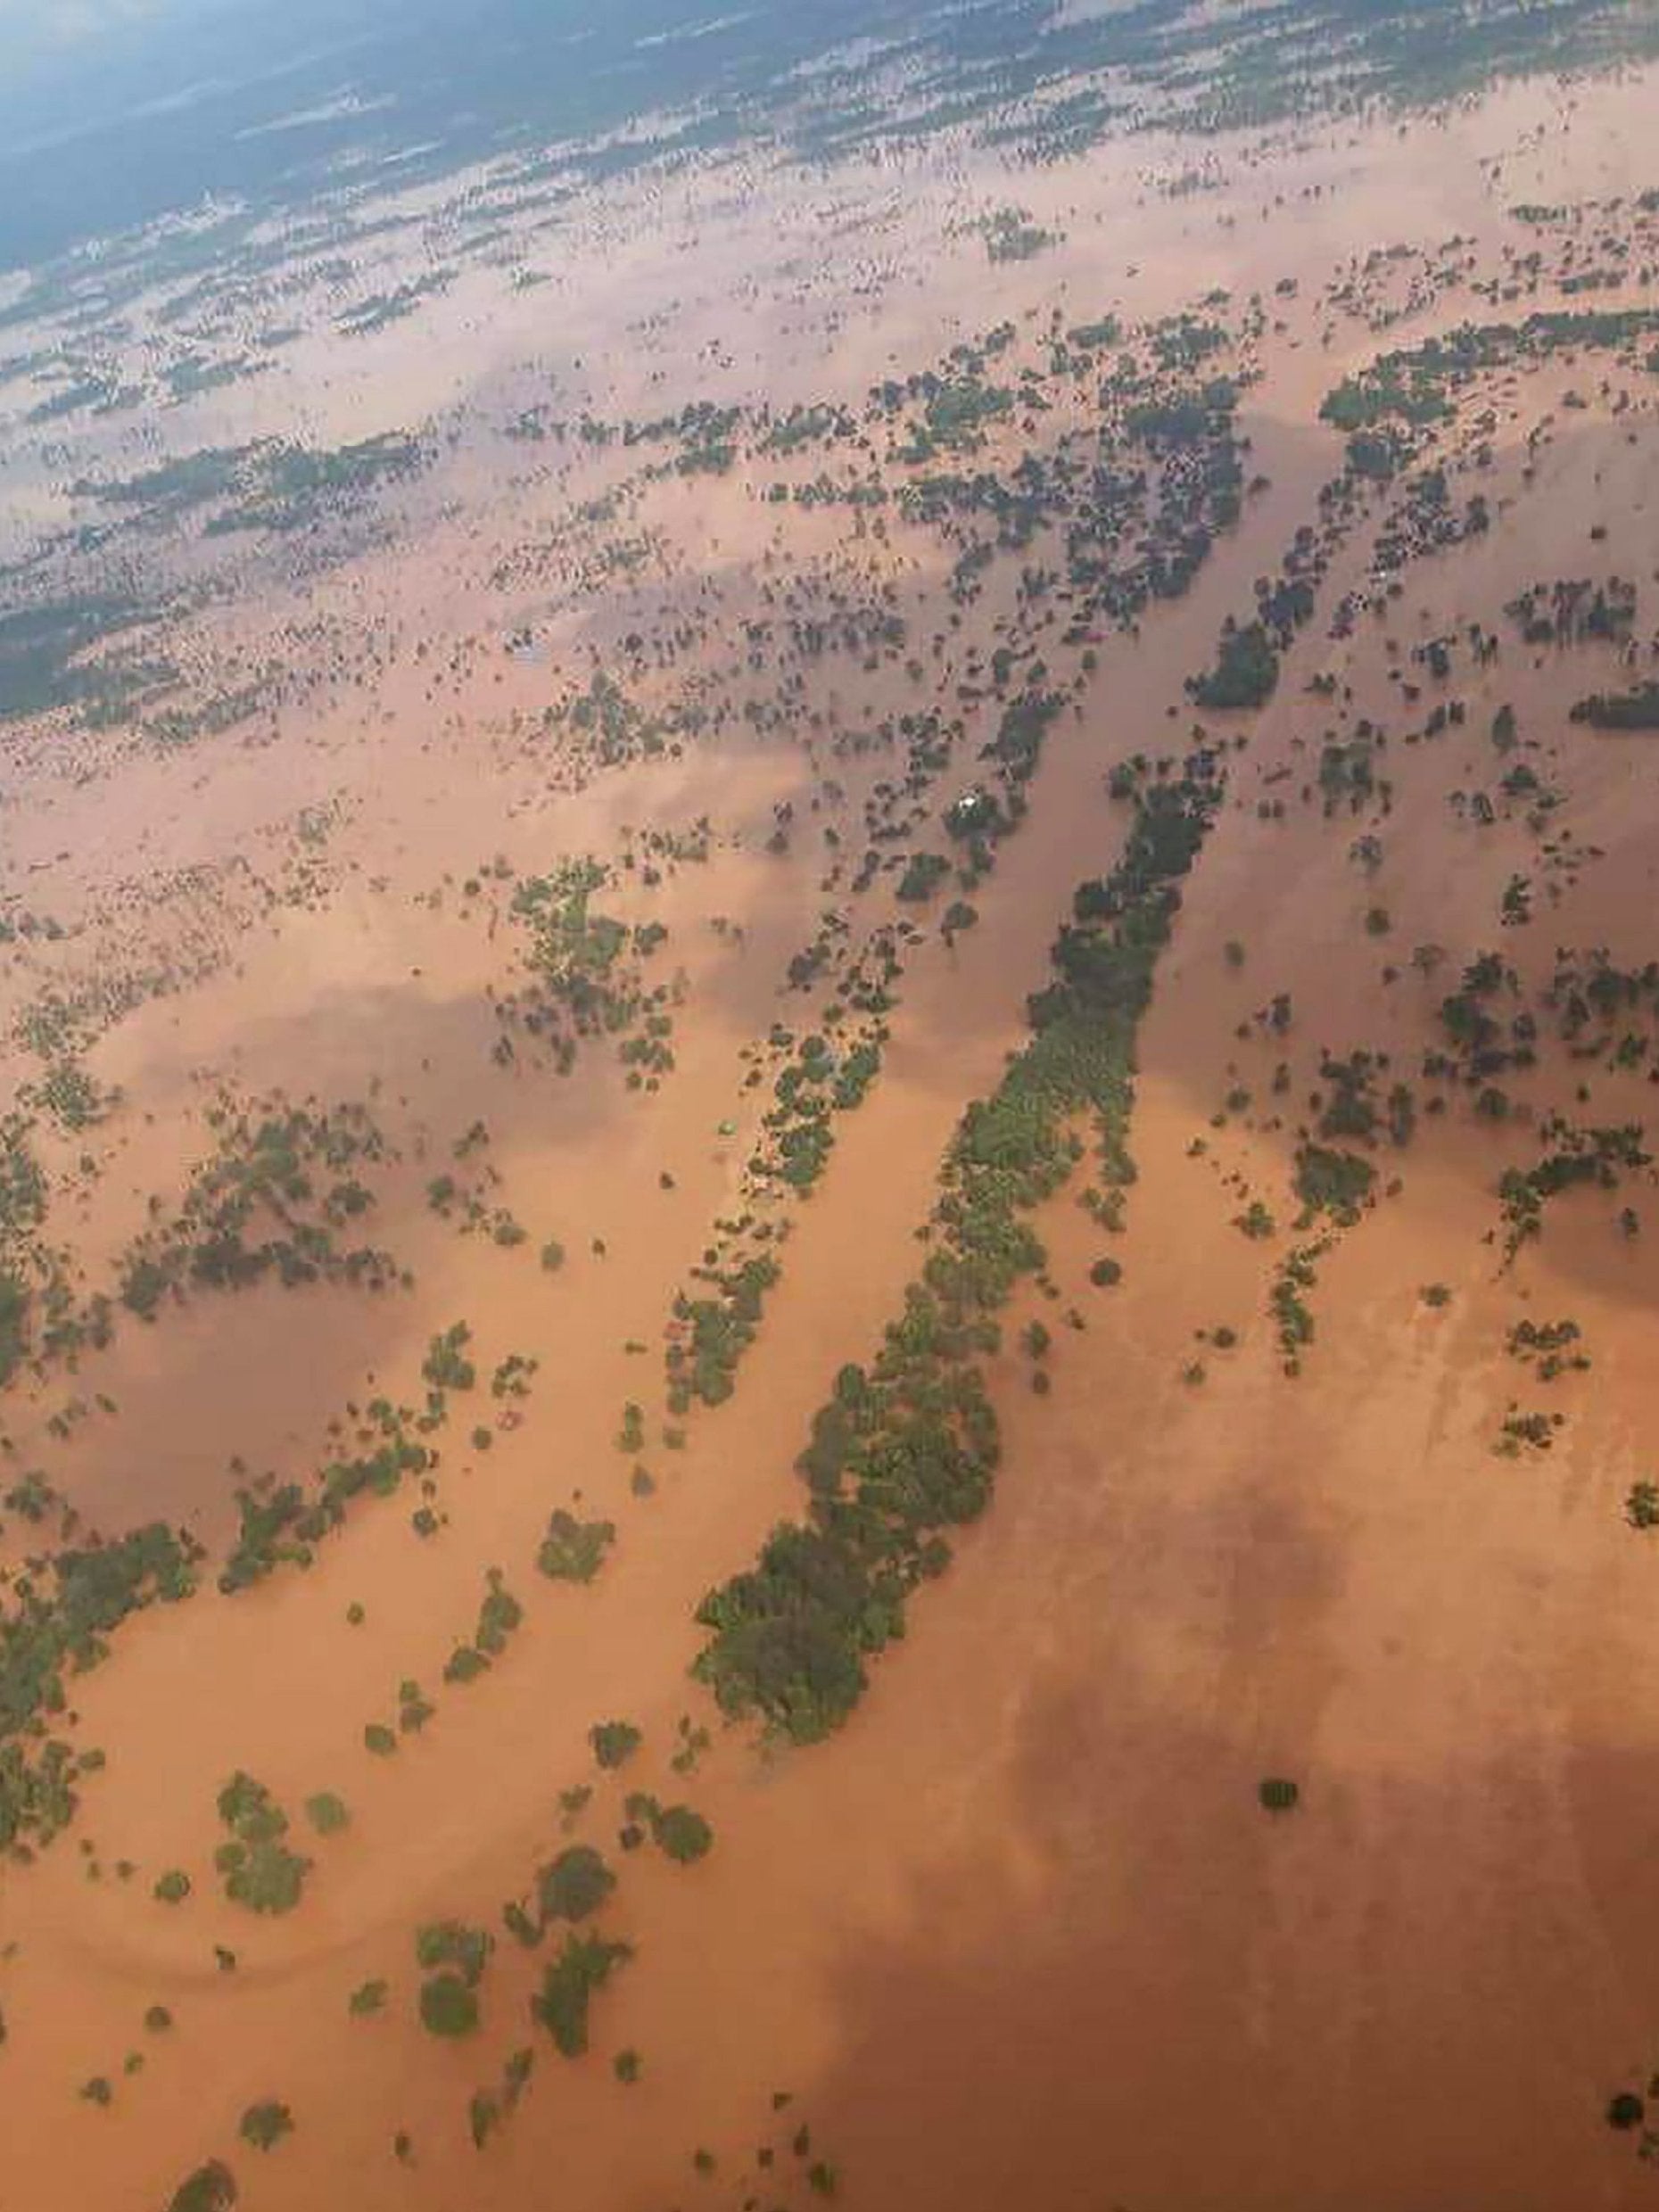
x=56 y=1625
x=569 y=1986
x=256 y=1864
x=1062 y=478
x=907 y=1450
x=282 y=1186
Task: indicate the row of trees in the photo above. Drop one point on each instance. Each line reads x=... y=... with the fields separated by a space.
x=907 y=1450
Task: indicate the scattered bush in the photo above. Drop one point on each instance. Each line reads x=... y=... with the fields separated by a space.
x=453 y=1943
x=1628 y=710
x=211 y=2187
x=1332 y=1182
x=448 y=2007
x=576 y=1883
x=924 y=874
x=259 y=1872
x=446 y=1365
x=1246 y=673
x=573 y=1550
x=676 y=1830
x=583 y=1967
x=682 y=1835
x=326 y=1813
x=612 y=1742
x=264 y=2125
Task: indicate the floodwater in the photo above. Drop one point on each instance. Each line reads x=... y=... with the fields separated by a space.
x=1022 y=1933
